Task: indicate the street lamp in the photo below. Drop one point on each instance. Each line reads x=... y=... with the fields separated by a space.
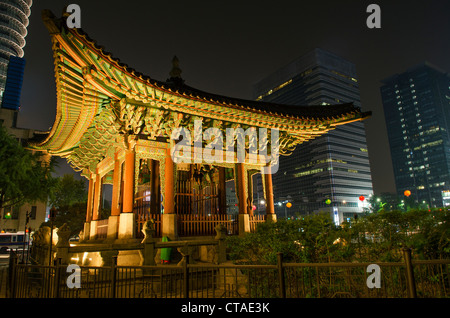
x=27 y=219
x=52 y=218
x=262 y=202
x=288 y=205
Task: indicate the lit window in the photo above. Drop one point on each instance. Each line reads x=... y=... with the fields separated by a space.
x=275 y=89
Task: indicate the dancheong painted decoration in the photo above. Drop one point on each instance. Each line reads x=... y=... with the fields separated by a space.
x=116 y=125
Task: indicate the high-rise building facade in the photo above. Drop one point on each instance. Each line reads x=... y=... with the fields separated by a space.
x=13 y=30
x=330 y=173
x=417 y=111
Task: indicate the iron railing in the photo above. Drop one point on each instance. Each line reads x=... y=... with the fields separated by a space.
x=283 y=280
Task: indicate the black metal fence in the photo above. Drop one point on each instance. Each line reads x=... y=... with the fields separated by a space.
x=327 y=280
x=3 y=280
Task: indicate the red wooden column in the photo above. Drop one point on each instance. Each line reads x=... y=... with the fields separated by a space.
x=126 y=220
x=113 y=221
x=96 y=205
x=97 y=197
x=87 y=224
x=241 y=188
x=169 y=195
x=90 y=199
x=270 y=209
x=169 y=218
x=244 y=221
x=115 y=207
x=128 y=189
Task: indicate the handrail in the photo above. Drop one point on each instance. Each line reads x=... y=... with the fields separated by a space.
x=136 y=246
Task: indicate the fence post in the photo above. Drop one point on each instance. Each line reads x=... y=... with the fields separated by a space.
x=409 y=273
x=63 y=245
x=12 y=274
x=148 y=252
x=221 y=249
x=57 y=263
x=186 y=276
x=281 y=275
x=113 y=276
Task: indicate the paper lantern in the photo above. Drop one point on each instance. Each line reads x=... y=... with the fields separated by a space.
x=254 y=208
x=361 y=198
x=289 y=204
x=407 y=193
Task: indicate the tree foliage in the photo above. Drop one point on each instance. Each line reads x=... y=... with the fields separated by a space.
x=304 y=240
x=382 y=234
x=374 y=237
x=70 y=201
x=24 y=175
x=68 y=191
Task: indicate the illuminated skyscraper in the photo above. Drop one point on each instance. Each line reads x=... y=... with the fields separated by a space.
x=13 y=30
x=417 y=112
x=329 y=173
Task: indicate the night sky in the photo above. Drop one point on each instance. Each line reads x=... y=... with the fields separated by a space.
x=224 y=47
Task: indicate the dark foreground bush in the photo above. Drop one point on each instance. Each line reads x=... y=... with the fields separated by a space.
x=374 y=237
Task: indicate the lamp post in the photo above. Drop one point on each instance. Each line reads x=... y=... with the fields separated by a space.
x=27 y=218
x=262 y=203
x=407 y=194
x=288 y=205
x=52 y=218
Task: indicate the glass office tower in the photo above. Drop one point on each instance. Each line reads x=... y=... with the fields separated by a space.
x=417 y=112
x=330 y=173
x=13 y=30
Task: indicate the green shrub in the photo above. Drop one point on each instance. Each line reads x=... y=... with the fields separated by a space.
x=373 y=237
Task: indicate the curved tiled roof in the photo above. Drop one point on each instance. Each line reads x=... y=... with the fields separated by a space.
x=178 y=87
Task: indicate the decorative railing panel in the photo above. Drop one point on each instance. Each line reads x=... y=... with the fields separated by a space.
x=254 y=220
x=198 y=225
x=102 y=229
